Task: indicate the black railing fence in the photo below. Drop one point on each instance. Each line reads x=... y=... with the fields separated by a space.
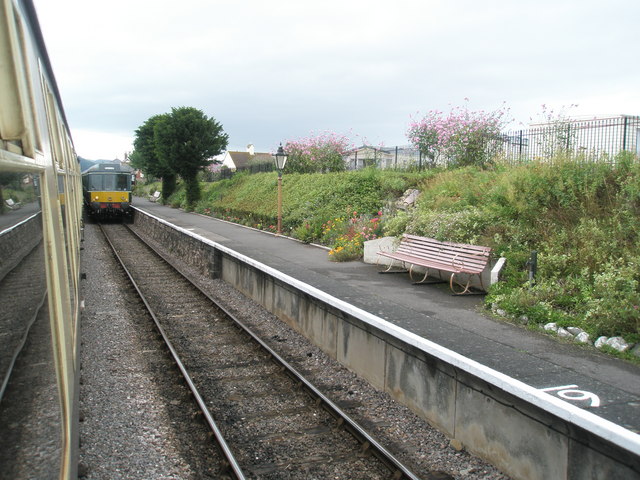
x=590 y=140
x=599 y=139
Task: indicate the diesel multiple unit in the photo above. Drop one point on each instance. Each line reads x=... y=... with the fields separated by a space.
x=107 y=190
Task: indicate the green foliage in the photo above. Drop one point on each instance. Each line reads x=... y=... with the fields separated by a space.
x=582 y=219
x=461 y=137
x=317 y=153
x=347 y=234
x=144 y=155
x=178 y=143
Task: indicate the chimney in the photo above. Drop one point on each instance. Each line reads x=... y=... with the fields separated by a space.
x=251 y=150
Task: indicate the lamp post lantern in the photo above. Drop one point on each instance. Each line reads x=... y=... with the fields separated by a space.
x=280 y=159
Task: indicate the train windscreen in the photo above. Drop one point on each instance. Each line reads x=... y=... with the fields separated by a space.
x=109 y=182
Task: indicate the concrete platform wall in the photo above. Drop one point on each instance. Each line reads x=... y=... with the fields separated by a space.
x=526 y=433
x=17 y=241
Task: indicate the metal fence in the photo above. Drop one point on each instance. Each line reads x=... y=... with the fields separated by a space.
x=599 y=139
x=590 y=140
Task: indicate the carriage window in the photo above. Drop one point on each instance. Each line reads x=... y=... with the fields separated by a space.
x=30 y=418
x=122 y=182
x=95 y=183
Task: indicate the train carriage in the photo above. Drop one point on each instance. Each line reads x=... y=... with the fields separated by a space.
x=107 y=190
x=39 y=259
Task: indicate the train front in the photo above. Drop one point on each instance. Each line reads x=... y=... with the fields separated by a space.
x=107 y=190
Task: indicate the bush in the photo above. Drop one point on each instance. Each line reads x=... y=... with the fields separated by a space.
x=582 y=219
x=462 y=137
x=347 y=234
x=317 y=153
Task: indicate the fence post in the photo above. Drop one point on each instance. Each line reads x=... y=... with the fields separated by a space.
x=624 y=133
x=520 y=147
x=395 y=162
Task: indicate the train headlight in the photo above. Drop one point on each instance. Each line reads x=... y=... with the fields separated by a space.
x=96 y=197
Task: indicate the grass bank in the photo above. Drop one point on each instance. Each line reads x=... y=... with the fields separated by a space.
x=582 y=219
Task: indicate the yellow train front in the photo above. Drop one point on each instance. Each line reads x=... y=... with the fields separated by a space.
x=107 y=190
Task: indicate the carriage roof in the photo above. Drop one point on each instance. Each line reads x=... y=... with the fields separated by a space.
x=108 y=167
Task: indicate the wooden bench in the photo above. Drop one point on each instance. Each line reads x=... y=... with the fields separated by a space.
x=442 y=256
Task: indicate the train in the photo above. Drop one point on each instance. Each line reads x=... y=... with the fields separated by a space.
x=107 y=190
x=40 y=244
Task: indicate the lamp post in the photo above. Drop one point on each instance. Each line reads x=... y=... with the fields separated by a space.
x=281 y=159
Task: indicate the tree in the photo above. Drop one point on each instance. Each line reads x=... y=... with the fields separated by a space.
x=185 y=140
x=145 y=158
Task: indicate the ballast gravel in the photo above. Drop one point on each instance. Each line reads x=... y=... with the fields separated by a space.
x=134 y=418
x=119 y=398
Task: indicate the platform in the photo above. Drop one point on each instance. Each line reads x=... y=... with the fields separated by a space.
x=606 y=386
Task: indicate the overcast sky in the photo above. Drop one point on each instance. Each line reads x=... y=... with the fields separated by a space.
x=272 y=71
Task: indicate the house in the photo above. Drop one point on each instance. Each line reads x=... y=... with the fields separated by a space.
x=234 y=160
x=381 y=157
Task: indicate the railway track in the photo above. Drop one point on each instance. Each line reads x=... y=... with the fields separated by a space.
x=268 y=421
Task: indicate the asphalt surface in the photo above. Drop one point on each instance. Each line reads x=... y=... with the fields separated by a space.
x=606 y=386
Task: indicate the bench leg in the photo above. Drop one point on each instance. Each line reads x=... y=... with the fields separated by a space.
x=424 y=279
x=388 y=270
x=466 y=289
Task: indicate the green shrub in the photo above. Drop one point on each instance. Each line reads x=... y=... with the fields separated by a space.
x=582 y=219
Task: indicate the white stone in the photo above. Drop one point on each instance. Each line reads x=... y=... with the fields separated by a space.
x=583 y=337
x=553 y=327
x=408 y=199
x=496 y=270
x=372 y=247
x=562 y=333
x=618 y=343
x=575 y=331
x=600 y=341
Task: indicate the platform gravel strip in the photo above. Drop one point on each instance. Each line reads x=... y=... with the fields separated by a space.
x=137 y=420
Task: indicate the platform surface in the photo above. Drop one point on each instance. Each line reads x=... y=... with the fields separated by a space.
x=581 y=375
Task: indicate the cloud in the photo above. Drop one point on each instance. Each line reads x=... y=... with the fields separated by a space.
x=270 y=71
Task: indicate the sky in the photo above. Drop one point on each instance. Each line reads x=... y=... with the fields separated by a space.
x=286 y=69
